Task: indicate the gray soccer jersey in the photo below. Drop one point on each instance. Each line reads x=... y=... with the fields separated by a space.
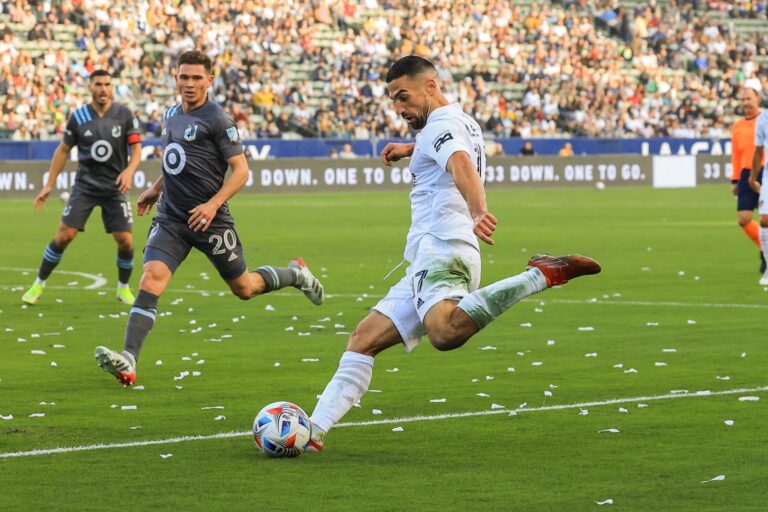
x=196 y=146
x=102 y=145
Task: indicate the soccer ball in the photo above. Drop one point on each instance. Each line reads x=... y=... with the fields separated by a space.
x=281 y=429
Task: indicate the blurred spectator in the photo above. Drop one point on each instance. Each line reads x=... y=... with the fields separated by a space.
x=346 y=151
x=566 y=150
x=527 y=149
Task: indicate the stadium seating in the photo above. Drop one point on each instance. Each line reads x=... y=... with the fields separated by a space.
x=532 y=69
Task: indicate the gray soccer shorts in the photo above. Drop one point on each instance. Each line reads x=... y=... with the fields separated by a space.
x=170 y=241
x=116 y=212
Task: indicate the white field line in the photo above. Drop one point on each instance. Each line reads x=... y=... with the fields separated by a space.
x=392 y=421
x=98 y=281
x=213 y=293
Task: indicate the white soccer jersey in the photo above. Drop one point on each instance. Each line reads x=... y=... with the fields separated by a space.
x=437 y=206
x=761 y=129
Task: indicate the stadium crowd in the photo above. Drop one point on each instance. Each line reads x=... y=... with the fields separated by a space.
x=315 y=68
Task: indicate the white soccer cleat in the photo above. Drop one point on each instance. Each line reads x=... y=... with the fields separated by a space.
x=316 y=442
x=117 y=364
x=764 y=280
x=308 y=283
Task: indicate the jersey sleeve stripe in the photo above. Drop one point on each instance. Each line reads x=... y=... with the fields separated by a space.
x=87 y=113
x=77 y=117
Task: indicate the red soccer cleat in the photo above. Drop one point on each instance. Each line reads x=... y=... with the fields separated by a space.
x=560 y=269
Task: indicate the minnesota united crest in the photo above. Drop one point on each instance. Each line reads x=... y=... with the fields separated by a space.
x=191 y=132
x=116 y=131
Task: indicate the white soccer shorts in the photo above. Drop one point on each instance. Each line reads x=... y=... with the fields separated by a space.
x=442 y=270
x=762 y=202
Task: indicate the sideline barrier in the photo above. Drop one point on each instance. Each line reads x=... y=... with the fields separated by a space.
x=25 y=178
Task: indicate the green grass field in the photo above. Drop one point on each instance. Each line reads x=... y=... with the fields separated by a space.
x=678 y=274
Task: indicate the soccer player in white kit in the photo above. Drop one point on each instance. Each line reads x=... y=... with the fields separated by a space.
x=761 y=140
x=439 y=294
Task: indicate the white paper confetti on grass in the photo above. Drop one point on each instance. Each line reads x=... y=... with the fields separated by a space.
x=725 y=377
x=484 y=395
x=277 y=364
x=305 y=334
x=397 y=429
x=376 y=411
x=676 y=391
x=438 y=400
x=289 y=328
x=166 y=455
x=583 y=412
x=729 y=422
x=197 y=374
x=269 y=307
x=587 y=328
x=497 y=406
x=623 y=410
x=47 y=403
x=59 y=346
x=488 y=347
x=392 y=370
x=37 y=352
x=749 y=398
x=511 y=370
x=159 y=362
x=591 y=354
x=642 y=406
x=669 y=350
x=526 y=324
x=212 y=407
x=129 y=407
x=631 y=370
x=609 y=501
x=6 y=418
x=609 y=431
x=550 y=343
x=536 y=363
x=659 y=363
x=718 y=478
x=618 y=365
x=691 y=322
x=37 y=415
x=220 y=417
x=743 y=354
x=310 y=360
x=54 y=364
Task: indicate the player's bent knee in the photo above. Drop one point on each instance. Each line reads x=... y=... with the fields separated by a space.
x=444 y=340
x=242 y=293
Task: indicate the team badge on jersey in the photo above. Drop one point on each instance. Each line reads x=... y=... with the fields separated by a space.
x=191 y=132
x=116 y=131
x=441 y=139
x=232 y=134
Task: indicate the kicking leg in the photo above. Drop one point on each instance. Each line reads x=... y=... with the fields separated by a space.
x=450 y=324
x=353 y=376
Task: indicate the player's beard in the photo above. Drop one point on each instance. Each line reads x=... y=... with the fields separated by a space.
x=420 y=122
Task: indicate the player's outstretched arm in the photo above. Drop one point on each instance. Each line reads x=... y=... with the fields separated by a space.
x=125 y=179
x=149 y=197
x=757 y=164
x=58 y=162
x=394 y=151
x=468 y=182
x=232 y=184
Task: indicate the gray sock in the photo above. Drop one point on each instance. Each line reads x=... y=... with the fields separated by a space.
x=277 y=277
x=51 y=258
x=140 y=322
x=124 y=265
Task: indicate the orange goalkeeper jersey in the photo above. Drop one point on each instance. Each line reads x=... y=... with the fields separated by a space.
x=742 y=145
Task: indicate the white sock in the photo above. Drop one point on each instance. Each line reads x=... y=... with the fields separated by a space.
x=347 y=386
x=39 y=281
x=485 y=304
x=122 y=285
x=764 y=240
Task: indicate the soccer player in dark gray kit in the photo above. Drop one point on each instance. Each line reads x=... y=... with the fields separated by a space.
x=200 y=142
x=103 y=131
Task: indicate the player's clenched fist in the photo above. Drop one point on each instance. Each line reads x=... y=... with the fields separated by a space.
x=485 y=225
x=394 y=151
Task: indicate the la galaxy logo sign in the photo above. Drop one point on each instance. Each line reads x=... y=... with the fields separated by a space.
x=190 y=133
x=116 y=131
